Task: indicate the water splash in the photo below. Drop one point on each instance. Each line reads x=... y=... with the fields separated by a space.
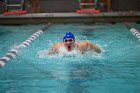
x=73 y=55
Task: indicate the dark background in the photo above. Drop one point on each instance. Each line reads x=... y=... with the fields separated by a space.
x=51 y=6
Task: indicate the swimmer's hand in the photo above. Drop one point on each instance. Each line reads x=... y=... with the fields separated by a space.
x=96 y=48
x=52 y=52
x=55 y=48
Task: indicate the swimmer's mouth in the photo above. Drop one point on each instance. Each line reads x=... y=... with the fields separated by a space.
x=69 y=47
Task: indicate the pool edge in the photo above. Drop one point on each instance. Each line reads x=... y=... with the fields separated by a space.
x=42 y=18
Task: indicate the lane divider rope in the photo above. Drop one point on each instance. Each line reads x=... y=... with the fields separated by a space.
x=13 y=52
x=134 y=31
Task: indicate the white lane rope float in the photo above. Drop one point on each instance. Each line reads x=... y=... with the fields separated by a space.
x=13 y=52
x=134 y=31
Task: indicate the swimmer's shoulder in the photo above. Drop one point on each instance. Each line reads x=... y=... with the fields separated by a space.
x=57 y=45
x=84 y=43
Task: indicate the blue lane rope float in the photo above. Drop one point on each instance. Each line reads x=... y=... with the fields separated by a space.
x=134 y=31
x=13 y=52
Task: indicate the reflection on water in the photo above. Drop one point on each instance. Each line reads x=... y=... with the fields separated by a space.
x=80 y=77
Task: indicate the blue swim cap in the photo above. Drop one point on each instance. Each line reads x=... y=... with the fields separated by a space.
x=68 y=35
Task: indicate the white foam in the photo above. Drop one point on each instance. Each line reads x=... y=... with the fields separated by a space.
x=63 y=52
x=43 y=53
x=72 y=54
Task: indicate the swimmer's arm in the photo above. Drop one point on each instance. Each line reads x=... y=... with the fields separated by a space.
x=54 y=49
x=95 y=47
x=85 y=45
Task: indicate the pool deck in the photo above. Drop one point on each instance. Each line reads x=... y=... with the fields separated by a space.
x=42 y=18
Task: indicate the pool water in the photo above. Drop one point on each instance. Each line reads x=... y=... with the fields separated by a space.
x=115 y=70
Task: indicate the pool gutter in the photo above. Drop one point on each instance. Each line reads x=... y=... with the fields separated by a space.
x=41 y=18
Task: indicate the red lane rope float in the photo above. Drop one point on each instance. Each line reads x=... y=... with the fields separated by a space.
x=88 y=11
x=15 y=12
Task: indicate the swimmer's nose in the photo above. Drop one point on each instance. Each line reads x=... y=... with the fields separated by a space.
x=68 y=42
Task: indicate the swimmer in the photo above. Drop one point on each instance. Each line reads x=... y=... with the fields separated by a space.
x=70 y=44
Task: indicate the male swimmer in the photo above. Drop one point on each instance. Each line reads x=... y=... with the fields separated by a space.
x=69 y=44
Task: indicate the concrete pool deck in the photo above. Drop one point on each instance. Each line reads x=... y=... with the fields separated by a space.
x=42 y=18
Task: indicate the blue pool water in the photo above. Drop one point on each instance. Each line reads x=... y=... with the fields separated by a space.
x=115 y=70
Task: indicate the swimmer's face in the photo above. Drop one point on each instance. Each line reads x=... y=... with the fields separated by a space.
x=69 y=43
